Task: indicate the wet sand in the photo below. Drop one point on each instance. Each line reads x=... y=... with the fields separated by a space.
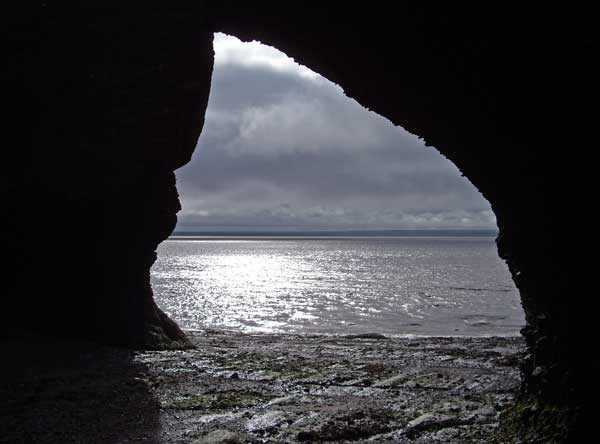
x=240 y=388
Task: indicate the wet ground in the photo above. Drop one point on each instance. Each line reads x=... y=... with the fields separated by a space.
x=239 y=388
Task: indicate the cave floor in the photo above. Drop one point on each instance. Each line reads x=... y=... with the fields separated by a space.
x=264 y=388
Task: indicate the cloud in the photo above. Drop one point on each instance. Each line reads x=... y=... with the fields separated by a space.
x=284 y=146
x=231 y=51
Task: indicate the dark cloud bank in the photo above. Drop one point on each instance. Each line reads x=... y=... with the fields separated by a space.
x=284 y=147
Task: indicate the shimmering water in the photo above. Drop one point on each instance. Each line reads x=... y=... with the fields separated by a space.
x=393 y=286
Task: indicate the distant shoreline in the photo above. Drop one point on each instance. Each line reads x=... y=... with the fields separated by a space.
x=333 y=234
x=315 y=238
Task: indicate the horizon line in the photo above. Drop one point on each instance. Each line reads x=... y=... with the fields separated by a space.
x=450 y=232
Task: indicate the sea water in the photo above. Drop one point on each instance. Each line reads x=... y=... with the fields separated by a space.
x=392 y=286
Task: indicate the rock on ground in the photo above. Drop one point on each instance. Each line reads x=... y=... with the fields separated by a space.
x=239 y=388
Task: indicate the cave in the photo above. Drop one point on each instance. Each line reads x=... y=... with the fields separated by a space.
x=106 y=102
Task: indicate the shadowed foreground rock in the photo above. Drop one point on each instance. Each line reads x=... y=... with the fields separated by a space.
x=237 y=388
x=105 y=102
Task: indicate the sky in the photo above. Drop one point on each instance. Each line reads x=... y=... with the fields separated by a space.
x=283 y=147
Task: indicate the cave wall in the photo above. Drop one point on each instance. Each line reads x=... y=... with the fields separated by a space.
x=106 y=102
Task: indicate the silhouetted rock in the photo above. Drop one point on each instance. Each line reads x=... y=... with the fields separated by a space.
x=366 y=336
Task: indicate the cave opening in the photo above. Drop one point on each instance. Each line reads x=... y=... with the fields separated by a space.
x=98 y=136
x=304 y=212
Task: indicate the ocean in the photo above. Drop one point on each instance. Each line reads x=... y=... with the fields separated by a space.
x=395 y=286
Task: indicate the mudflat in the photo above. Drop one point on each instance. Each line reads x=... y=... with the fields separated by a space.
x=259 y=388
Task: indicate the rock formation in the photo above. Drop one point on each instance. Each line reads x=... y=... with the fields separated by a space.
x=106 y=102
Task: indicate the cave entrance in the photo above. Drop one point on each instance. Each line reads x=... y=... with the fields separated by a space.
x=304 y=212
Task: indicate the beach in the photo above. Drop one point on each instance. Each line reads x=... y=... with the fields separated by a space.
x=260 y=388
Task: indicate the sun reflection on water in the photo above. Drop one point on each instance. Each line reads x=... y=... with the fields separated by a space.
x=335 y=287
